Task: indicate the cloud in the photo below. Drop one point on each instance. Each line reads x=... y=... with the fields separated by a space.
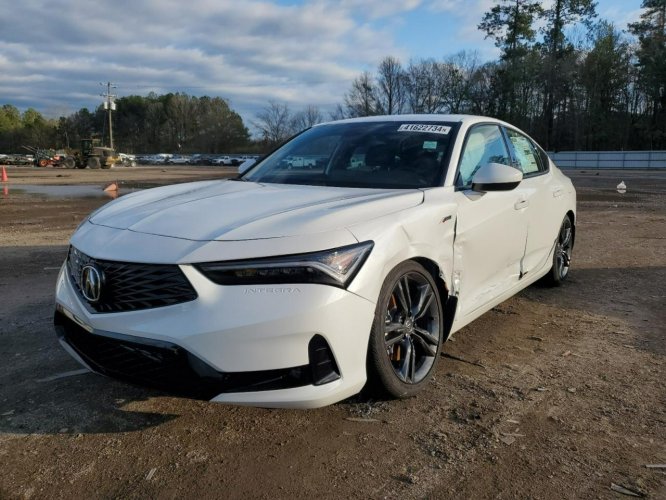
x=54 y=53
x=376 y=9
x=248 y=52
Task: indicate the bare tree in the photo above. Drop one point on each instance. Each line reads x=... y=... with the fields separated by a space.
x=306 y=118
x=338 y=113
x=274 y=122
x=361 y=100
x=457 y=79
x=483 y=93
x=423 y=86
x=390 y=86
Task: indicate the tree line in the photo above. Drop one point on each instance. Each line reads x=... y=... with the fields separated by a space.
x=170 y=122
x=569 y=79
x=575 y=83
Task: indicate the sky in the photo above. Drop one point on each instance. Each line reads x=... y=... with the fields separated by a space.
x=55 y=53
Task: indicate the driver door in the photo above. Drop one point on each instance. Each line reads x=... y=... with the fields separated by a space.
x=491 y=227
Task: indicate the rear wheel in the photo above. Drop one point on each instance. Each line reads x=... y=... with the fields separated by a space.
x=562 y=254
x=406 y=333
x=69 y=163
x=93 y=162
x=43 y=162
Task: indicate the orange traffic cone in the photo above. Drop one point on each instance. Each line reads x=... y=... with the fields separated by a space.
x=4 y=175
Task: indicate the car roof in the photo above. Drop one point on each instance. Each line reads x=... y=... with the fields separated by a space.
x=463 y=119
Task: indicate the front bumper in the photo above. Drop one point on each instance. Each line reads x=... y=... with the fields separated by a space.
x=275 y=346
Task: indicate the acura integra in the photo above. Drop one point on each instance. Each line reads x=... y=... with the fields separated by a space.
x=299 y=283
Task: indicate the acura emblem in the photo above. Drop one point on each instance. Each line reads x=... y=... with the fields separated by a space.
x=91 y=283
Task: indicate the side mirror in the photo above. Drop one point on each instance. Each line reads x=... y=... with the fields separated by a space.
x=245 y=166
x=496 y=177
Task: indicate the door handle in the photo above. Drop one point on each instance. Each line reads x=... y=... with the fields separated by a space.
x=557 y=192
x=521 y=204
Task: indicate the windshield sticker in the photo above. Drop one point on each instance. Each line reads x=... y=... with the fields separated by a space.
x=429 y=144
x=423 y=127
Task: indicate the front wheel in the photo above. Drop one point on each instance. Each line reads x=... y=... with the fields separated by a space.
x=562 y=254
x=407 y=332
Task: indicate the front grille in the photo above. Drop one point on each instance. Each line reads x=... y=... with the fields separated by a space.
x=167 y=366
x=130 y=286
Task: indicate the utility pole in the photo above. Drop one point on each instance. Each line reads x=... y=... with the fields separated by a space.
x=109 y=106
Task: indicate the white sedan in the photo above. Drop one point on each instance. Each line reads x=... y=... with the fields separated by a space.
x=298 y=287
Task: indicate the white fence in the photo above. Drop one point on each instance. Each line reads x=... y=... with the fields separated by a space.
x=610 y=159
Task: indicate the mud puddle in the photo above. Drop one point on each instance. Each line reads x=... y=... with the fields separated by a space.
x=76 y=191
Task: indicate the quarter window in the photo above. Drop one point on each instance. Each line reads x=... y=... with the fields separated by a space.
x=484 y=144
x=545 y=160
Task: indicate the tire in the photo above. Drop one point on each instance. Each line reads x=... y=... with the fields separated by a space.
x=43 y=163
x=93 y=162
x=559 y=271
x=406 y=337
x=69 y=163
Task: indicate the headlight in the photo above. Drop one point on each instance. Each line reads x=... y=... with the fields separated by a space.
x=335 y=267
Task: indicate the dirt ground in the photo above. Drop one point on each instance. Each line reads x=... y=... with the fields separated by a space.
x=556 y=393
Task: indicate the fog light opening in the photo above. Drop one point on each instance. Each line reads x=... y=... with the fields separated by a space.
x=322 y=363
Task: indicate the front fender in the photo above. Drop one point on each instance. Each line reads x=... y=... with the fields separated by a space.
x=426 y=231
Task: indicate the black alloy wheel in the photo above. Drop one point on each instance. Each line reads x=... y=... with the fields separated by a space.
x=407 y=332
x=562 y=253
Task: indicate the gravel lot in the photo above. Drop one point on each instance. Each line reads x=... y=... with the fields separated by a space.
x=556 y=393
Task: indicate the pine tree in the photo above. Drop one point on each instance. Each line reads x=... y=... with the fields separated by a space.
x=651 y=33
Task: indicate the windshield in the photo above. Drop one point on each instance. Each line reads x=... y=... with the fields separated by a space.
x=402 y=155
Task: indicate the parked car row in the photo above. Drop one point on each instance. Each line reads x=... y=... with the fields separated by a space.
x=52 y=158
x=194 y=159
x=16 y=159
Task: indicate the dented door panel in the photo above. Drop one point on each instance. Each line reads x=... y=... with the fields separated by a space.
x=489 y=245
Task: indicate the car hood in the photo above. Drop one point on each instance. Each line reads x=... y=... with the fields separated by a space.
x=233 y=210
